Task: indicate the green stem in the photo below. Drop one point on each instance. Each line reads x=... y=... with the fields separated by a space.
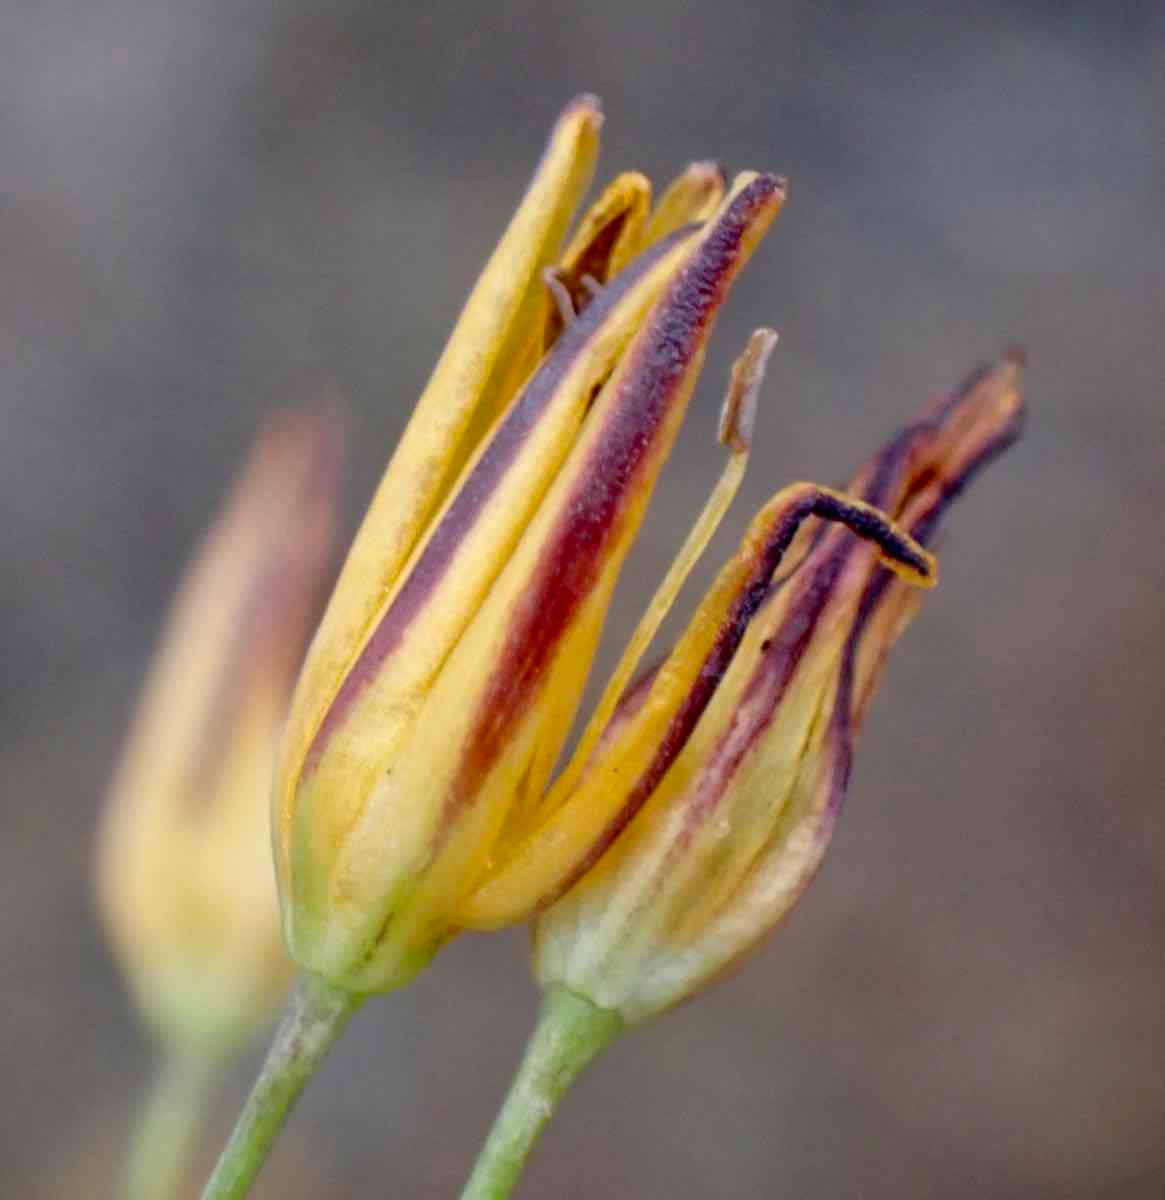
x=314 y=1019
x=167 y=1127
x=571 y=1031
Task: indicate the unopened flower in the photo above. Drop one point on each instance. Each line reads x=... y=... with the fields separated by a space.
x=702 y=797
x=444 y=678
x=185 y=879
x=718 y=781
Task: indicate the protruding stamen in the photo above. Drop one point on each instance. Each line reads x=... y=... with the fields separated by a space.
x=737 y=416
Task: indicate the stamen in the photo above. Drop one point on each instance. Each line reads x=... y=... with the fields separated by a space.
x=738 y=414
x=560 y=294
x=737 y=417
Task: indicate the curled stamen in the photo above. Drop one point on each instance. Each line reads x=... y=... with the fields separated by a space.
x=899 y=551
x=587 y=811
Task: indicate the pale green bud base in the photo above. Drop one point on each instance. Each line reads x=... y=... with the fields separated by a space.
x=571 y=1031
x=315 y=1018
x=168 y=1125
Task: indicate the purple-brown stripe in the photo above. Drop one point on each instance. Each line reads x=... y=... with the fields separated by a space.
x=910 y=461
x=781 y=655
x=845 y=718
x=482 y=482
x=888 y=482
x=572 y=560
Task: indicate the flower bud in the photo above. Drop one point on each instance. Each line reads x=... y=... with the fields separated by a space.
x=707 y=805
x=445 y=675
x=185 y=879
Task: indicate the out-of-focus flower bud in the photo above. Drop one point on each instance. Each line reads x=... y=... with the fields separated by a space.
x=706 y=806
x=445 y=675
x=185 y=877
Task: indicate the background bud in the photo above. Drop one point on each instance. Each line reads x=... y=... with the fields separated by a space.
x=185 y=880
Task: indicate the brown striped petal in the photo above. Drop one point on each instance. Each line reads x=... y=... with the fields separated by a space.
x=736 y=828
x=471 y=383
x=491 y=722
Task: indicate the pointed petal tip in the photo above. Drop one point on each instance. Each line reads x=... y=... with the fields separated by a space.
x=1016 y=355
x=708 y=169
x=761 y=183
x=299 y=452
x=753 y=198
x=758 y=182
x=585 y=105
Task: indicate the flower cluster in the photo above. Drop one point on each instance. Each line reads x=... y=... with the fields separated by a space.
x=415 y=792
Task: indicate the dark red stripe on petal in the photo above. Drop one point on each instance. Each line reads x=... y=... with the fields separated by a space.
x=780 y=656
x=890 y=482
x=483 y=480
x=571 y=562
x=920 y=453
x=845 y=719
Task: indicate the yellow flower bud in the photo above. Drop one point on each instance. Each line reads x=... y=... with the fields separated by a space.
x=707 y=805
x=446 y=672
x=185 y=878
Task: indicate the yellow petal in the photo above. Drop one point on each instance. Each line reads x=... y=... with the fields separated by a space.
x=694 y=195
x=493 y=321
x=609 y=234
x=501 y=704
x=429 y=609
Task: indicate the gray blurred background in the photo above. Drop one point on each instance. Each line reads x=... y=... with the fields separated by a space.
x=211 y=208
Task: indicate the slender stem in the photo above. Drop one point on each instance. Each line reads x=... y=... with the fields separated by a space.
x=167 y=1127
x=314 y=1019
x=571 y=1031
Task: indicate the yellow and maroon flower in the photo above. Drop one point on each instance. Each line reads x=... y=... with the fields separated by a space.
x=446 y=673
x=185 y=880
x=688 y=829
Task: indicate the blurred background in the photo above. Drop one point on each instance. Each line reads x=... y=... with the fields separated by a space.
x=211 y=209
